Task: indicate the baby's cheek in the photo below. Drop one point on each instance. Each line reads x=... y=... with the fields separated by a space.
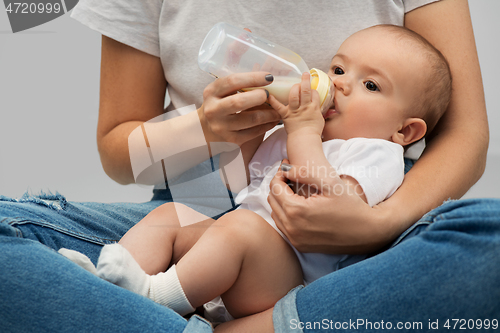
x=328 y=132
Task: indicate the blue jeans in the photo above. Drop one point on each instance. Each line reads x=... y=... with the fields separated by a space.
x=444 y=270
x=41 y=291
x=447 y=269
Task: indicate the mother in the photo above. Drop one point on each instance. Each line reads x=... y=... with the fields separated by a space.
x=445 y=271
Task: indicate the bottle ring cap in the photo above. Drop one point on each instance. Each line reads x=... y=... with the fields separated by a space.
x=321 y=82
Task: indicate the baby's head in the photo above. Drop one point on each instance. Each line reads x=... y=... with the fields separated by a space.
x=390 y=83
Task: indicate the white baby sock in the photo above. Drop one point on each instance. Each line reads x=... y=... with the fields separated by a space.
x=79 y=258
x=166 y=289
x=117 y=266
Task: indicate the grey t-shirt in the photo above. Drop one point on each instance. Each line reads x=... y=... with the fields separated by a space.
x=174 y=30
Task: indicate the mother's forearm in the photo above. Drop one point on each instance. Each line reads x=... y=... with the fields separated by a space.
x=452 y=162
x=147 y=152
x=114 y=152
x=462 y=155
x=455 y=157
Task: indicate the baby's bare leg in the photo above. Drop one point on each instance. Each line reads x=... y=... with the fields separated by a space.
x=242 y=258
x=160 y=240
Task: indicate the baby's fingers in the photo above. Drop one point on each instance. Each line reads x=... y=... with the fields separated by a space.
x=280 y=108
x=305 y=88
x=294 y=97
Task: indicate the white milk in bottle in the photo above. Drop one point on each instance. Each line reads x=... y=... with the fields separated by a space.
x=228 y=49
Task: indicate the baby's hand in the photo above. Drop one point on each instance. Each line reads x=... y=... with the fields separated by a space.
x=303 y=110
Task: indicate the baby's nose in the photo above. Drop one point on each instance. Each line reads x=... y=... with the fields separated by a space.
x=341 y=83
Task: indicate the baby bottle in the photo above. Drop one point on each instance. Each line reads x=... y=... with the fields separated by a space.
x=228 y=49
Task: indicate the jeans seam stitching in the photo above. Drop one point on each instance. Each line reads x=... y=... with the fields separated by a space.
x=76 y=234
x=18 y=232
x=408 y=231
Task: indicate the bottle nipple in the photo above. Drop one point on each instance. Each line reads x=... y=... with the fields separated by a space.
x=314 y=82
x=322 y=83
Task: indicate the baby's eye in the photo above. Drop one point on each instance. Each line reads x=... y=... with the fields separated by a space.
x=370 y=85
x=338 y=71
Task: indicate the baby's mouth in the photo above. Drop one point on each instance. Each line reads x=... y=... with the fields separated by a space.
x=330 y=111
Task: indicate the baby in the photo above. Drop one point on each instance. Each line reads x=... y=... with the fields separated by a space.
x=391 y=88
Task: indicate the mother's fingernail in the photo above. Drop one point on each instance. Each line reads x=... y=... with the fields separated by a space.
x=285 y=167
x=270 y=77
x=267 y=93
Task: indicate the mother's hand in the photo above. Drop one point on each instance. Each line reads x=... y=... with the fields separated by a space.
x=335 y=220
x=227 y=116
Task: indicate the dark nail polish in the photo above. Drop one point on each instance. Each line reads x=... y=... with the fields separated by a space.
x=270 y=77
x=267 y=93
x=285 y=167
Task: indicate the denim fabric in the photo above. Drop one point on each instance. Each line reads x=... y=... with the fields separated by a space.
x=42 y=291
x=55 y=222
x=285 y=311
x=197 y=324
x=446 y=266
x=408 y=164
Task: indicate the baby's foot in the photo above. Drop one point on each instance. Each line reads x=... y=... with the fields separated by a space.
x=79 y=258
x=117 y=266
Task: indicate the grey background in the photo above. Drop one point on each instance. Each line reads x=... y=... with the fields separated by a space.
x=49 y=90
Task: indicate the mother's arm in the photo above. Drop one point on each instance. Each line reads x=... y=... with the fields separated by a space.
x=132 y=92
x=455 y=156
x=453 y=160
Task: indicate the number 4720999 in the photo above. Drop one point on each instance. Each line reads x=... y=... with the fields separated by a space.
x=464 y=324
x=33 y=8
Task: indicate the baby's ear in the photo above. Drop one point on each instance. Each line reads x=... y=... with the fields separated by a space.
x=413 y=130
